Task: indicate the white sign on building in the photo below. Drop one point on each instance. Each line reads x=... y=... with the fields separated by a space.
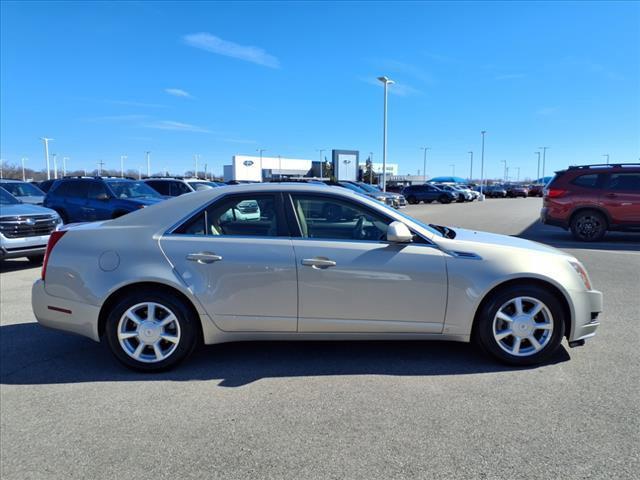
x=255 y=169
x=392 y=168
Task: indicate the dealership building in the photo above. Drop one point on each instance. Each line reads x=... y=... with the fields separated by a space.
x=346 y=166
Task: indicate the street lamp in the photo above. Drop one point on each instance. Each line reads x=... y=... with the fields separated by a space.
x=23 y=159
x=196 y=157
x=64 y=166
x=148 y=155
x=538 y=174
x=606 y=155
x=481 y=197
x=320 y=150
x=55 y=165
x=123 y=158
x=46 y=154
x=424 y=163
x=471 y=167
x=386 y=81
x=544 y=159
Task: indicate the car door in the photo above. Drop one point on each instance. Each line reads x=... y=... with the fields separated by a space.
x=74 y=199
x=98 y=204
x=241 y=267
x=621 y=198
x=350 y=279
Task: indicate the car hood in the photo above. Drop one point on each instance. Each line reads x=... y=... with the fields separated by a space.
x=24 y=209
x=493 y=239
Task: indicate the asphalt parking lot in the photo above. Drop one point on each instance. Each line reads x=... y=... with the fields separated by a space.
x=333 y=410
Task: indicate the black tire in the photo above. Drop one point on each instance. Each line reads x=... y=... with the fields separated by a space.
x=428 y=201
x=412 y=200
x=188 y=327
x=36 y=259
x=483 y=327
x=444 y=199
x=588 y=226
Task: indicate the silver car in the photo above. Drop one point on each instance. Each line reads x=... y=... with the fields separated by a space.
x=24 y=191
x=155 y=283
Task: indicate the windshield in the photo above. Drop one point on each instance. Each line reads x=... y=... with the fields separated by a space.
x=368 y=188
x=353 y=187
x=7 y=199
x=22 y=189
x=202 y=185
x=132 y=189
x=425 y=226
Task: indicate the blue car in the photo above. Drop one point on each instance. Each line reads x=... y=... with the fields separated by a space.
x=89 y=199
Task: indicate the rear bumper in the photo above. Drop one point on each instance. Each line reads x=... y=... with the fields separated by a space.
x=548 y=220
x=62 y=314
x=587 y=306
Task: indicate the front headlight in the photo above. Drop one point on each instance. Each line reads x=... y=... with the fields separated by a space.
x=381 y=198
x=580 y=270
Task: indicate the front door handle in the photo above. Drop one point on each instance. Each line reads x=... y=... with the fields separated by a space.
x=318 y=262
x=204 y=257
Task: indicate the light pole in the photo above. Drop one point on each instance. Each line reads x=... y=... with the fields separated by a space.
x=64 y=166
x=196 y=157
x=424 y=163
x=504 y=170
x=320 y=150
x=544 y=159
x=386 y=81
x=471 y=166
x=22 y=160
x=481 y=197
x=55 y=165
x=123 y=158
x=518 y=176
x=606 y=155
x=46 y=154
x=279 y=168
x=538 y=174
x=148 y=155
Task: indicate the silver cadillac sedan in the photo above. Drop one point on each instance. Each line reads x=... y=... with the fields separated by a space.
x=200 y=268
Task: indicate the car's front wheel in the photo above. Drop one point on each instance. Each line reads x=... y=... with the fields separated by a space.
x=412 y=200
x=149 y=331
x=444 y=199
x=520 y=325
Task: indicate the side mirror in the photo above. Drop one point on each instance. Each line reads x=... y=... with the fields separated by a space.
x=398 y=232
x=102 y=196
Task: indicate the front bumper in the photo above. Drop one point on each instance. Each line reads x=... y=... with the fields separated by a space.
x=62 y=314
x=587 y=306
x=22 y=247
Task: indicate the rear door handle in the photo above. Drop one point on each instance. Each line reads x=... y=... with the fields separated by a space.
x=318 y=262
x=204 y=257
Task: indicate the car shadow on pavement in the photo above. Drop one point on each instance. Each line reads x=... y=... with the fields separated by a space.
x=14 y=265
x=33 y=355
x=559 y=238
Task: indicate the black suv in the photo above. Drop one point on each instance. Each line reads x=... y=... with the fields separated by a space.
x=427 y=194
x=88 y=199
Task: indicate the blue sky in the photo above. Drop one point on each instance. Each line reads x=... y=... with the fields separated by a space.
x=106 y=79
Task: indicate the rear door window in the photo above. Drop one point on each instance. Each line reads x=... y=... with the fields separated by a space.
x=591 y=180
x=179 y=188
x=160 y=186
x=74 y=189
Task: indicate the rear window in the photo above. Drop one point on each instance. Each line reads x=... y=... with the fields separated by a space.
x=74 y=188
x=590 y=180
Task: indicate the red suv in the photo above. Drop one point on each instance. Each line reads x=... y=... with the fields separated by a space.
x=591 y=199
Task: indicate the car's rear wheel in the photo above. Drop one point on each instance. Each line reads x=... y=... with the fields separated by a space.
x=151 y=332
x=520 y=325
x=588 y=226
x=412 y=200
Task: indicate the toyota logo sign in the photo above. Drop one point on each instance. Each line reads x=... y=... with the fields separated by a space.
x=248 y=163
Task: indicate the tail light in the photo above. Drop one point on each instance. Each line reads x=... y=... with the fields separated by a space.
x=554 y=192
x=53 y=239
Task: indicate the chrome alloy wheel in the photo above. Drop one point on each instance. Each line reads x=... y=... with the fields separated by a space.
x=523 y=326
x=149 y=332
